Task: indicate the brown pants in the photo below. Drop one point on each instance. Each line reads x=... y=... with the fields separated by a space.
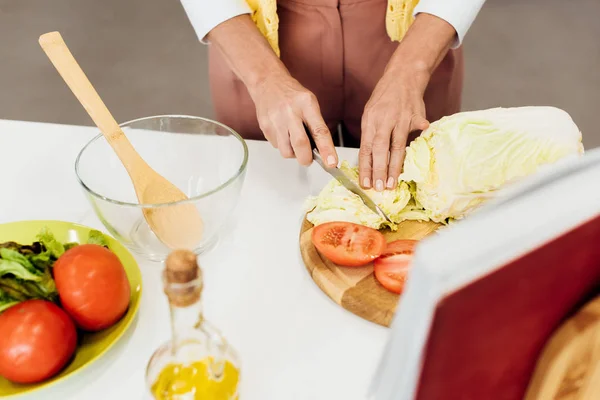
x=338 y=49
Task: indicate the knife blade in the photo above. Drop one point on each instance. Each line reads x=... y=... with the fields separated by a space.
x=343 y=179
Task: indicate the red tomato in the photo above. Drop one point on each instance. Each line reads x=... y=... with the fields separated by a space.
x=391 y=269
x=92 y=286
x=37 y=339
x=348 y=244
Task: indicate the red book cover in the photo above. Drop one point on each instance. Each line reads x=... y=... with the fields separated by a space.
x=486 y=337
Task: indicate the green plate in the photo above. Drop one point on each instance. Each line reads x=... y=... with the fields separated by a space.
x=92 y=345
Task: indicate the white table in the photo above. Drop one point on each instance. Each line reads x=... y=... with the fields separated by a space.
x=294 y=342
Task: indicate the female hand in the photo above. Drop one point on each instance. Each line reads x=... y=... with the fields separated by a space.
x=282 y=106
x=395 y=109
x=396 y=106
x=282 y=103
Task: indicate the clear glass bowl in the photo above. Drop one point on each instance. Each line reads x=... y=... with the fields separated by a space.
x=205 y=159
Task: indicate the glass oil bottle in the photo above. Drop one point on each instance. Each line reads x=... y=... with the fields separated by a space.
x=197 y=363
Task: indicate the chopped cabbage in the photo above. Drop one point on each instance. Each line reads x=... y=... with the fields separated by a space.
x=479 y=151
x=454 y=160
x=336 y=203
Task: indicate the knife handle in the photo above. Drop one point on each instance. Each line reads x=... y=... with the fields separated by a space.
x=313 y=146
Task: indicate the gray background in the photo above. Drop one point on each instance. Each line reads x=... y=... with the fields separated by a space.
x=144 y=58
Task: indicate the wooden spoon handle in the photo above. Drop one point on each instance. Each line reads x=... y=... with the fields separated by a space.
x=66 y=65
x=57 y=51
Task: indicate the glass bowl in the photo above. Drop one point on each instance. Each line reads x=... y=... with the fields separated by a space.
x=205 y=159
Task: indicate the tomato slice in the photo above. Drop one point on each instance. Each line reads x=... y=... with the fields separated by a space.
x=391 y=269
x=348 y=244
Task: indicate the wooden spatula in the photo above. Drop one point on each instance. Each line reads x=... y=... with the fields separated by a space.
x=177 y=226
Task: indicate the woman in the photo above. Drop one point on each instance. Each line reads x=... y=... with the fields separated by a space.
x=326 y=62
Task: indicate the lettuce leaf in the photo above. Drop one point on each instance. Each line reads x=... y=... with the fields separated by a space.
x=18 y=270
x=97 y=237
x=55 y=247
x=6 y=300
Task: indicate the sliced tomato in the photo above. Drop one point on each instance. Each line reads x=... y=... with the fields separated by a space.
x=391 y=269
x=348 y=244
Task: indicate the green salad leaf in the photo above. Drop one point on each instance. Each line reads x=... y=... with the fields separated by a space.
x=42 y=261
x=97 y=237
x=15 y=288
x=50 y=243
x=70 y=245
x=13 y=255
x=12 y=262
x=34 y=248
x=6 y=300
x=26 y=270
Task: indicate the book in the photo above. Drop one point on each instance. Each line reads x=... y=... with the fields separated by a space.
x=484 y=295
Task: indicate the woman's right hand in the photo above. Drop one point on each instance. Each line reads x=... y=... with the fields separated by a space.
x=282 y=105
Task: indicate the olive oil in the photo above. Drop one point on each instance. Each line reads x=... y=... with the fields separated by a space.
x=177 y=380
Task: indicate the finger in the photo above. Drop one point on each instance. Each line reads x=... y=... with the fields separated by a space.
x=283 y=141
x=320 y=132
x=300 y=142
x=284 y=145
x=397 y=152
x=269 y=132
x=418 y=123
x=365 y=154
x=381 y=149
x=271 y=138
x=285 y=148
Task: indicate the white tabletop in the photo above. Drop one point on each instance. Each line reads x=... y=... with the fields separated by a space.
x=294 y=342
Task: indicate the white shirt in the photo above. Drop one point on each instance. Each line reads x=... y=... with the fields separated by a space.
x=204 y=15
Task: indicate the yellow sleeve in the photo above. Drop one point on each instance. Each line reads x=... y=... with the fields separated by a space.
x=399 y=17
x=264 y=15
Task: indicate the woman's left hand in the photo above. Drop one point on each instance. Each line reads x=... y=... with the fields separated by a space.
x=396 y=106
x=395 y=109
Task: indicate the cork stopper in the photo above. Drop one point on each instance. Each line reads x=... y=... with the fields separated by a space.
x=183 y=278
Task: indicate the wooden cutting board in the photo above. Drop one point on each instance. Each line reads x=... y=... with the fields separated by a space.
x=356 y=289
x=569 y=367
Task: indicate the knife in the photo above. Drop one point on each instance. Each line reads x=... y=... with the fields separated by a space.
x=344 y=179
